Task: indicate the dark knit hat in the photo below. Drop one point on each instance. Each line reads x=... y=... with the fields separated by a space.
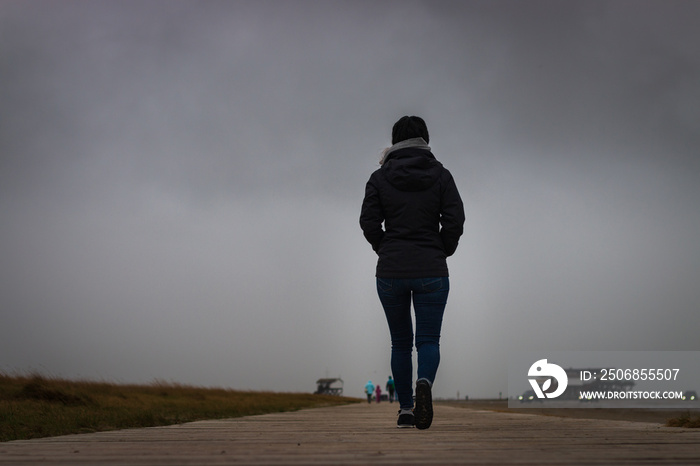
x=409 y=127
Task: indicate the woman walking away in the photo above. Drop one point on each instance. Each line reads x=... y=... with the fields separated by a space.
x=416 y=200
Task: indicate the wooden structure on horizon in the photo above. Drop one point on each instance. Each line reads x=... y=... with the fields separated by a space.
x=329 y=387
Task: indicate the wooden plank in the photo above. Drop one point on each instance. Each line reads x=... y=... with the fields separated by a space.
x=367 y=434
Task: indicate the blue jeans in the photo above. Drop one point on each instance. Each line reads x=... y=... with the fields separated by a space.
x=429 y=296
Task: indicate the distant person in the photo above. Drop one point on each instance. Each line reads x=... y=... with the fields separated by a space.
x=413 y=217
x=390 y=387
x=369 y=389
x=379 y=393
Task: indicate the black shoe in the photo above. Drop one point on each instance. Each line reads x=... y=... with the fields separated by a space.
x=424 y=405
x=405 y=420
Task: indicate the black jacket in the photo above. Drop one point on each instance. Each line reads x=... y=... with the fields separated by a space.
x=423 y=215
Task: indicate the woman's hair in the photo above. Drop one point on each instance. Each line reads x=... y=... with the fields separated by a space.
x=409 y=127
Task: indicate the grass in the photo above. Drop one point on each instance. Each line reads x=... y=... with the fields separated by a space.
x=684 y=420
x=35 y=406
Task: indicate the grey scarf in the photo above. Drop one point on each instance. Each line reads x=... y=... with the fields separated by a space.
x=418 y=143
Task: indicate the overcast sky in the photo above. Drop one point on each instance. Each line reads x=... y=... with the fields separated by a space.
x=180 y=183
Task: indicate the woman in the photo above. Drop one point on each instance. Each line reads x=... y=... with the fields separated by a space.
x=417 y=200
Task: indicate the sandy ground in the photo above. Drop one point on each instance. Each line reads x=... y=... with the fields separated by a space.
x=636 y=415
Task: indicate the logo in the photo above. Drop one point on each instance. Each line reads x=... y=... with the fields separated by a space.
x=544 y=370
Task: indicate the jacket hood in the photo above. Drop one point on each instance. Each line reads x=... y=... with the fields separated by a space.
x=411 y=167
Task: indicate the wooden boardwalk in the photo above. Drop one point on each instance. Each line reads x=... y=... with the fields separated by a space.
x=366 y=434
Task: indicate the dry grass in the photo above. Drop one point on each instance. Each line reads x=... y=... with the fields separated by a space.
x=670 y=417
x=684 y=420
x=35 y=406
